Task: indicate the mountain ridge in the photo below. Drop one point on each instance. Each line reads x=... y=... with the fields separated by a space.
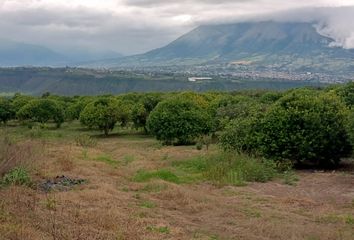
x=13 y=53
x=264 y=44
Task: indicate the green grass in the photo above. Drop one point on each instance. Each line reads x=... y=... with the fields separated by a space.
x=128 y=159
x=106 y=159
x=147 y=204
x=166 y=175
x=228 y=168
x=163 y=230
x=17 y=176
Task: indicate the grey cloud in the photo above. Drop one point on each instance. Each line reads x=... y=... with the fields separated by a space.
x=135 y=26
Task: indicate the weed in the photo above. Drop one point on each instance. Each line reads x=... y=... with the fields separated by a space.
x=154 y=187
x=51 y=203
x=147 y=204
x=17 y=176
x=35 y=133
x=251 y=213
x=128 y=159
x=163 y=230
x=14 y=155
x=230 y=168
x=85 y=154
x=349 y=220
x=85 y=141
x=165 y=157
x=106 y=159
x=290 y=177
x=166 y=175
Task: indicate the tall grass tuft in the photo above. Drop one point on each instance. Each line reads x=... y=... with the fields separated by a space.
x=230 y=168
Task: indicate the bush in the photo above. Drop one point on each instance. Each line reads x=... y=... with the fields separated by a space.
x=346 y=92
x=17 y=176
x=178 y=120
x=350 y=126
x=6 y=110
x=42 y=110
x=102 y=114
x=305 y=126
x=241 y=135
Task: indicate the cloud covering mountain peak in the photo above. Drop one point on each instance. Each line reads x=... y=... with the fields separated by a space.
x=134 y=26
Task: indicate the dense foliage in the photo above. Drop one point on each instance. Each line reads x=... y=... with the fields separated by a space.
x=304 y=126
x=179 y=120
x=42 y=110
x=103 y=114
x=309 y=125
x=6 y=110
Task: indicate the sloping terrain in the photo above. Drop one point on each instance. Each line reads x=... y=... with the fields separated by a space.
x=111 y=204
x=286 y=46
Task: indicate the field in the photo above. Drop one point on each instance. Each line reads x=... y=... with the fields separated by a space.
x=136 y=188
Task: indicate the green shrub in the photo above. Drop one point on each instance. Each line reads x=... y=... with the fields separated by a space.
x=17 y=176
x=178 y=120
x=42 y=110
x=103 y=114
x=305 y=126
x=6 y=110
x=350 y=126
x=241 y=135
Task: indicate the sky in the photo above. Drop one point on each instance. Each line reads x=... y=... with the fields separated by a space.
x=136 y=26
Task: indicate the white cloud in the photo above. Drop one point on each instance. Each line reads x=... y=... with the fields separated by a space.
x=131 y=26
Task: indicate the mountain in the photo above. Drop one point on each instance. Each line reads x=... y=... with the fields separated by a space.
x=22 y=54
x=19 y=54
x=290 y=46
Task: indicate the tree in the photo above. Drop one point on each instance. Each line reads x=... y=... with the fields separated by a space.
x=74 y=109
x=103 y=114
x=42 y=110
x=178 y=120
x=19 y=101
x=142 y=109
x=6 y=110
x=306 y=126
x=346 y=92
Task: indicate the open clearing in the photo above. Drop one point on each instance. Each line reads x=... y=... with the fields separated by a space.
x=135 y=190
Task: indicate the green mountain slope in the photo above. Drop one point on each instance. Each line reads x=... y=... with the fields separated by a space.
x=290 y=46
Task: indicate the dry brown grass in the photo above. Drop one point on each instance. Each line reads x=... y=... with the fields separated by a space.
x=16 y=154
x=111 y=205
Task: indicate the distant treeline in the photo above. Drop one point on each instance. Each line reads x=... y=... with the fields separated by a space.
x=305 y=125
x=75 y=81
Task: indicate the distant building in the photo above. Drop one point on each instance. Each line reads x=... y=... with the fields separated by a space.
x=194 y=79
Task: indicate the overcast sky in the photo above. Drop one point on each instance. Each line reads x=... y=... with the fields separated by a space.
x=135 y=26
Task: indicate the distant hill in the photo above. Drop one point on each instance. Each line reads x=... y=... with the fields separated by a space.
x=22 y=54
x=19 y=54
x=76 y=81
x=287 y=46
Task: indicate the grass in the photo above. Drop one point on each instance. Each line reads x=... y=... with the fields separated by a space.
x=153 y=206
x=147 y=204
x=17 y=176
x=166 y=175
x=106 y=159
x=127 y=159
x=154 y=187
x=229 y=168
x=163 y=230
